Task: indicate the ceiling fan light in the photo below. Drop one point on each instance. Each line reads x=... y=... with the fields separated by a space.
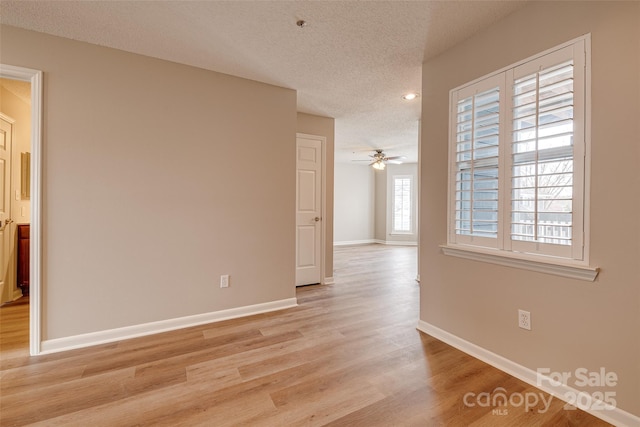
x=379 y=165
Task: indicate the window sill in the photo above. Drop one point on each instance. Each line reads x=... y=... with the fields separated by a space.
x=546 y=265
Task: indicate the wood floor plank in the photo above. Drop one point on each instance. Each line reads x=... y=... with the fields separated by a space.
x=176 y=364
x=187 y=405
x=66 y=397
x=17 y=380
x=348 y=355
x=258 y=355
x=306 y=350
x=323 y=405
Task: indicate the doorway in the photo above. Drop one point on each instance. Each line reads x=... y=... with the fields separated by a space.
x=34 y=204
x=9 y=142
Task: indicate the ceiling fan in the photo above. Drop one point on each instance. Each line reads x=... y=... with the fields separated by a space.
x=380 y=159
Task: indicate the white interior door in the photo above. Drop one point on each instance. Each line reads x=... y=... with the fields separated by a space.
x=6 y=133
x=308 y=210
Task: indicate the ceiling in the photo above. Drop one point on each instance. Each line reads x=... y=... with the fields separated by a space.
x=353 y=60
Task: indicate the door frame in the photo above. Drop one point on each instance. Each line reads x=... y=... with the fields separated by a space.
x=323 y=201
x=35 y=239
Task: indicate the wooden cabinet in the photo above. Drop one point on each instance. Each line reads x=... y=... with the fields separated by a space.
x=23 y=258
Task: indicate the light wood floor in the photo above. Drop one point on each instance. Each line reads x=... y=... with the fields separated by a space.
x=349 y=355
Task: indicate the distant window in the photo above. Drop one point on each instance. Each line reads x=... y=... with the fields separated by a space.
x=402 y=204
x=517 y=157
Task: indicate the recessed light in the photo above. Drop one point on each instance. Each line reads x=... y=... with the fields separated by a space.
x=410 y=96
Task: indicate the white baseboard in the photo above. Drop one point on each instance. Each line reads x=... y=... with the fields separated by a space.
x=328 y=281
x=397 y=242
x=118 y=334
x=378 y=241
x=615 y=416
x=354 y=242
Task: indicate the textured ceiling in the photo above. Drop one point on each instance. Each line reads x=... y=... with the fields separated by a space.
x=352 y=61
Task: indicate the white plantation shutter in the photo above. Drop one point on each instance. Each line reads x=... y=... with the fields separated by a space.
x=546 y=185
x=517 y=150
x=477 y=112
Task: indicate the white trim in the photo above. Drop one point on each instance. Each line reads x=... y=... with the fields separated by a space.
x=547 y=265
x=397 y=242
x=376 y=242
x=586 y=211
x=615 y=416
x=391 y=175
x=35 y=240
x=328 y=281
x=355 y=242
x=419 y=201
x=412 y=200
x=127 y=332
x=584 y=37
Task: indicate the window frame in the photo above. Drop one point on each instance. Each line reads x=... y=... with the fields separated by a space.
x=411 y=204
x=503 y=247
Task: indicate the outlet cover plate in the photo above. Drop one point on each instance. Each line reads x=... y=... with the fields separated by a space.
x=524 y=319
x=224 y=281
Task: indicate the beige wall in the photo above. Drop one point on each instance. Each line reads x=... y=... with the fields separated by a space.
x=158 y=178
x=323 y=126
x=354 y=207
x=364 y=203
x=381 y=205
x=575 y=323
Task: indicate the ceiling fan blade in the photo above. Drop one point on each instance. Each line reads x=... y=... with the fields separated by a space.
x=361 y=160
x=394 y=162
x=396 y=158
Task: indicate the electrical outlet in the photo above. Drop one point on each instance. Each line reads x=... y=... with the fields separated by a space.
x=224 y=281
x=524 y=319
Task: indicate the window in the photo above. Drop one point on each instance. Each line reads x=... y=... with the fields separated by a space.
x=517 y=157
x=402 y=204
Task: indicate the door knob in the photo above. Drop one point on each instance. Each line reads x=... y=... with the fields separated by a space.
x=316 y=219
